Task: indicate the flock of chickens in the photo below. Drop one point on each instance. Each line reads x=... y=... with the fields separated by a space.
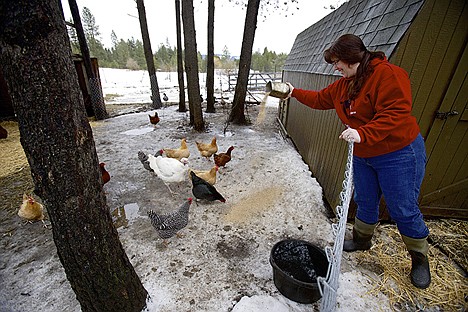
x=171 y=166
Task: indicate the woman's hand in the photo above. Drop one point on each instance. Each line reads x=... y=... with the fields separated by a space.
x=291 y=88
x=350 y=135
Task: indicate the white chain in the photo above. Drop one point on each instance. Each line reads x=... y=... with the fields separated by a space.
x=328 y=285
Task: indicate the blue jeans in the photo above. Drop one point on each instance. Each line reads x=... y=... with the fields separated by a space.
x=398 y=176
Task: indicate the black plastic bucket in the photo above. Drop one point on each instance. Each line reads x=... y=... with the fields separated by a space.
x=296 y=266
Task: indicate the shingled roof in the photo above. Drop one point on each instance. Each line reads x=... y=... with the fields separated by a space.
x=380 y=24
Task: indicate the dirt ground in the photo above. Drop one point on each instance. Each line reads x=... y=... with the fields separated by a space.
x=271 y=196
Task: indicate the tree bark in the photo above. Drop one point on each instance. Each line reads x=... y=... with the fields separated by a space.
x=191 y=66
x=155 y=97
x=237 y=115
x=180 y=65
x=210 y=101
x=95 y=90
x=57 y=139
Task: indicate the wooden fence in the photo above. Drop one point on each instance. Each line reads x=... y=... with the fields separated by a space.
x=257 y=81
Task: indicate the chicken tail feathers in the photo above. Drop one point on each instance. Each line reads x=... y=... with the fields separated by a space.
x=144 y=160
x=218 y=196
x=156 y=220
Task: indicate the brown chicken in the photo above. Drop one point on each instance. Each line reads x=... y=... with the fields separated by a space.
x=178 y=153
x=222 y=159
x=154 y=119
x=105 y=175
x=31 y=210
x=207 y=175
x=207 y=149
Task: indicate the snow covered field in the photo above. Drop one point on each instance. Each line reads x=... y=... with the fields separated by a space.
x=133 y=86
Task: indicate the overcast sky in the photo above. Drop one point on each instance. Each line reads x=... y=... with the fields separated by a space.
x=277 y=32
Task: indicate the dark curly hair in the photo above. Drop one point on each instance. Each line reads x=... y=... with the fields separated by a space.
x=350 y=49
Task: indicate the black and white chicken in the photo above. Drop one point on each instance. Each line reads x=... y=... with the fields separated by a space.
x=170 y=224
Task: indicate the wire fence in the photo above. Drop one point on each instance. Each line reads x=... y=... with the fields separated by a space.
x=328 y=285
x=97 y=100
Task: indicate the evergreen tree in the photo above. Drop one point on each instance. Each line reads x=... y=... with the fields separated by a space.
x=129 y=53
x=74 y=44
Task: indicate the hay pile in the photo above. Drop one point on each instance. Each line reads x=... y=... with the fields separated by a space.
x=449 y=287
x=451 y=236
x=12 y=154
x=15 y=174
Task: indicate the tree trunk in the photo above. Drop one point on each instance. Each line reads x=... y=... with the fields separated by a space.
x=191 y=66
x=237 y=112
x=210 y=101
x=95 y=90
x=180 y=65
x=57 y=140
x=155 y=97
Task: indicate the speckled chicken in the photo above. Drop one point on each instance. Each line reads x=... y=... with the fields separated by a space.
x=170 y=224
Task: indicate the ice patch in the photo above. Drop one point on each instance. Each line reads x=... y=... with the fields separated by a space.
x=138 y=131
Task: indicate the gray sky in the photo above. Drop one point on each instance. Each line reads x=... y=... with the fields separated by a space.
x=277 y=31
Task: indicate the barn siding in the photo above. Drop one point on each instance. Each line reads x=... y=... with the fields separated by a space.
x=315 y=134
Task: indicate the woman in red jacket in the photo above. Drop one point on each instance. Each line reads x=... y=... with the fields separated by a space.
x=373 y=100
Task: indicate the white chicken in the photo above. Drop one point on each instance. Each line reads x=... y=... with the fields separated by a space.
x=169 y=170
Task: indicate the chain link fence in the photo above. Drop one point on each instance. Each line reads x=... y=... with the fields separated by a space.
x=97 y=99
x=328 y=285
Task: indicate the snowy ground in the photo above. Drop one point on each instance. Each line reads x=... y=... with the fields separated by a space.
x=222 y=262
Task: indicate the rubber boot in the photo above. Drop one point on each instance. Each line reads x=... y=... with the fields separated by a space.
x=420 y=272
x=362 y=236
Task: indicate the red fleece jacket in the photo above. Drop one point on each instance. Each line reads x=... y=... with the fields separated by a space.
x=381 y=112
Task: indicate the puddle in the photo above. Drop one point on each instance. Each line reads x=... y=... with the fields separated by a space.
x=138 y=131
x=123 y=215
